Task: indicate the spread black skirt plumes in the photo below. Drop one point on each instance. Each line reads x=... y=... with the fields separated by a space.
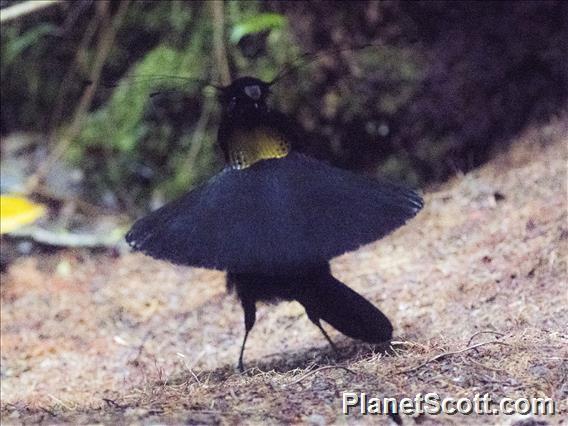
x=277 y=215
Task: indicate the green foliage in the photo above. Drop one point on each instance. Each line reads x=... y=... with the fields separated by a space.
x=126 y=135
x=256 y=24
x=121 y=131
x=394 y=72
x=416 y=106
x=130 y=142
x=247 y=18
x=118 y=125
x=17 y=44
x=281 y=50
x=29 y=77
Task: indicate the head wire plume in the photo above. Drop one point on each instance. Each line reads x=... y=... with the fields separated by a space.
x=142 y=79
x=301 y=61
x=312 y=57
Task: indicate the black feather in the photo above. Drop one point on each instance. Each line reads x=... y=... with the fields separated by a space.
x=277 y=215
x=322 y=295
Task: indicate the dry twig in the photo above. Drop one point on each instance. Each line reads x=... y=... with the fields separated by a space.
x=24 y=8
x=445 y=354
x=222 y=64
x=474 y=335
x=105 y=42
x=78 y=60
x=327 y=367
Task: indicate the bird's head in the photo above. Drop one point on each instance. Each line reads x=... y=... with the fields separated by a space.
x=244 y=97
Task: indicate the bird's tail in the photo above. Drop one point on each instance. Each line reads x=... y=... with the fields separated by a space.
x=344 y=309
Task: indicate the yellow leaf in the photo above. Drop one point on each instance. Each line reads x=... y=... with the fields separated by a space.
x=17 y=211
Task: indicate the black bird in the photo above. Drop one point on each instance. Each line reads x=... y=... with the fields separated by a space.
x=273 y=218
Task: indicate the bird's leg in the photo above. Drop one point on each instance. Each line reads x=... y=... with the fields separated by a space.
x=317 y=322
x=249 y=308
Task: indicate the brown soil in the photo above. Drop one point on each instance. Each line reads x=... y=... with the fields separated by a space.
x=91 y=339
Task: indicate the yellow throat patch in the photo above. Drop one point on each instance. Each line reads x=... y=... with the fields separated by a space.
x=247 y=147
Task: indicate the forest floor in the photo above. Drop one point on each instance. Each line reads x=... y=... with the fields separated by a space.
x=475 y=287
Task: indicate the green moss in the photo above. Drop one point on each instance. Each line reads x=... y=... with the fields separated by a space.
x=121 y=132
x=117 y=125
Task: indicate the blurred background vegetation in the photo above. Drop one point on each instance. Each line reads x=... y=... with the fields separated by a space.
x=444 y=86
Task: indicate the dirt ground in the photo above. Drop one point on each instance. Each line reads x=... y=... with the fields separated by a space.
x=476 y=287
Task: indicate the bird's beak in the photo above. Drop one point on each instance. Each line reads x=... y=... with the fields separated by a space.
x=253 y=92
